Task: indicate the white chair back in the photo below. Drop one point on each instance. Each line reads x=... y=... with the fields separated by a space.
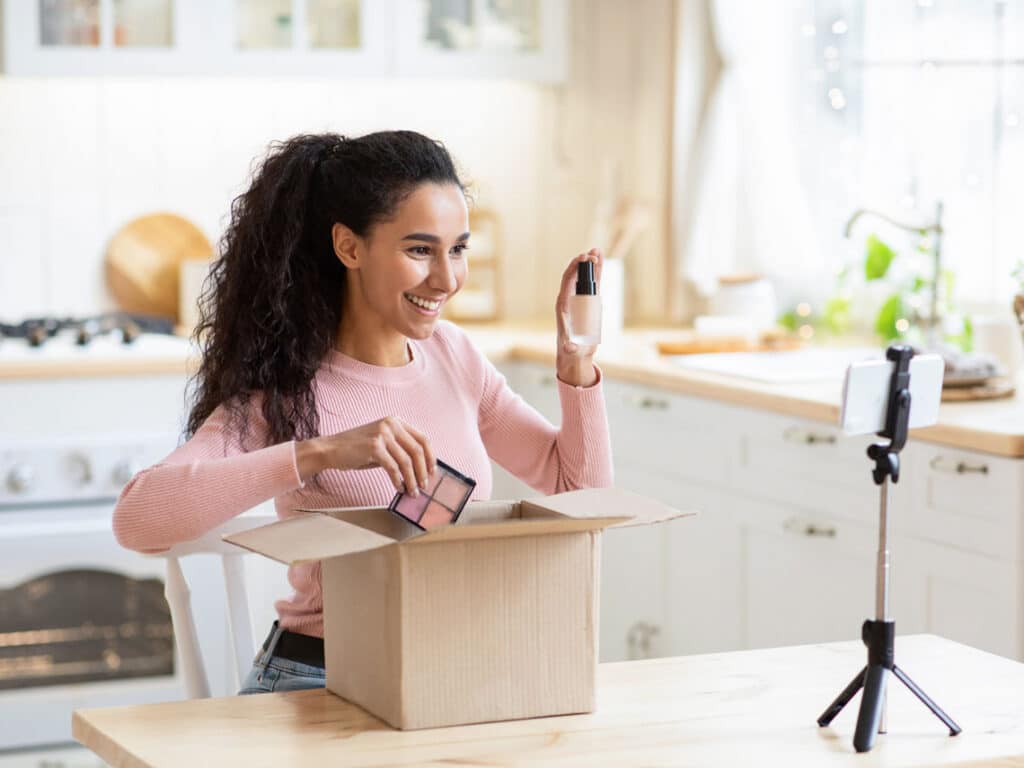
x=176 y=590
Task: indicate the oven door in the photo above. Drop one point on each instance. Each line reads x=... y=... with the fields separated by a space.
x=84 y=622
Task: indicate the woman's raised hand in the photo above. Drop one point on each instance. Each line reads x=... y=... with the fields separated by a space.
x=402 y=451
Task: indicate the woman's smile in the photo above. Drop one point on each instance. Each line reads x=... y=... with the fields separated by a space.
x=428 y=307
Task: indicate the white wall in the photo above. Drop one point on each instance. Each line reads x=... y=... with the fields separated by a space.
x=81 y=157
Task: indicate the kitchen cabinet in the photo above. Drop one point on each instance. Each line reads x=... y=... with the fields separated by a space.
x=783 y=549
x=282 y=38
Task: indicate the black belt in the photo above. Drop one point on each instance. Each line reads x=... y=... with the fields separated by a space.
x=293 y=646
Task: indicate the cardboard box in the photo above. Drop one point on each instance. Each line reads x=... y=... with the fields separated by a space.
x=493 y=618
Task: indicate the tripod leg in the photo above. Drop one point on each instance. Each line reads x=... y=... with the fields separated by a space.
x=954 y=729
x=870 y=708
x=842 y=699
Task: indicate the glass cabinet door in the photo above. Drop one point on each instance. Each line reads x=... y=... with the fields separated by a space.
x=98 y=37
x=69 y=22
x=459 y=25
x=143 y=23
x=263 y=24
x=333 y=24
x=310 y=38
x=524 y=39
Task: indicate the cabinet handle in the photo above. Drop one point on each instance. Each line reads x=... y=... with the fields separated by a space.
x=638 y=639
x=942 y=464
x=795 y=525
x=648 y=403
x=807 y=437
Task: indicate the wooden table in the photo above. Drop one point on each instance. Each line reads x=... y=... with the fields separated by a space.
x=729 y=709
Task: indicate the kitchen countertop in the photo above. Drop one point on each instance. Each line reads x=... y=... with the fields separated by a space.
x=994 y=426
x=724 y=709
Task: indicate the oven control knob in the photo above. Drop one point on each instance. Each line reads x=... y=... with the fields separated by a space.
x=79 y=469
x=20 y=478
x=124 y=471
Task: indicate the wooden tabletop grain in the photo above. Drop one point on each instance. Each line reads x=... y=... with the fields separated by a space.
x=730 y=709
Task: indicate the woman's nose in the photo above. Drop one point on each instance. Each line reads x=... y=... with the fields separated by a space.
x=442 y=275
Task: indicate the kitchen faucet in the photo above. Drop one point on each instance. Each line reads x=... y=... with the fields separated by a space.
x=936 y=227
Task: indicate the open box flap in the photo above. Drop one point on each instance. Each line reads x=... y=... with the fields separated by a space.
x=592 y=503
x=535 y=526
x=308 y=537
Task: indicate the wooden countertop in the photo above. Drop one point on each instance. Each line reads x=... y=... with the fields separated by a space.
x=995 y=426
x=990 y=426
x=744 y=708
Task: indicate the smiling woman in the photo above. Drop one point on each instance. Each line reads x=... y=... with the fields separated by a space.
x=328 y=378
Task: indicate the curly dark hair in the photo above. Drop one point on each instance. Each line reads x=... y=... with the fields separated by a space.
x=271 y=307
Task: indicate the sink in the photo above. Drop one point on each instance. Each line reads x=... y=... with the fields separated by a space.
x=814 y=364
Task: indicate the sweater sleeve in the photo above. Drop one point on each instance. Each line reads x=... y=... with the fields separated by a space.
x=549 y=459
x=202 y=484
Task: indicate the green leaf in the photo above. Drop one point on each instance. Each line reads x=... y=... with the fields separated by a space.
x=837 y=315
x=885 y=320
x=877 y=258
x=789 y=320
x=919 y=283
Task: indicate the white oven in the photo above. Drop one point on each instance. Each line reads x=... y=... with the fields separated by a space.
x=83 y=622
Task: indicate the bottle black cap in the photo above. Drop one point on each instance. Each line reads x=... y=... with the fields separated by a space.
x=585 y=284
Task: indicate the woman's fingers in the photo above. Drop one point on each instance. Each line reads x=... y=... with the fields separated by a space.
x=383 y=459
x=411 y=450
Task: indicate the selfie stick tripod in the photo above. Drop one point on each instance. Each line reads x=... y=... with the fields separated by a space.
x=880 y=635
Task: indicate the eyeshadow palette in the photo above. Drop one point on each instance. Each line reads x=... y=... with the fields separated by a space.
x=440 y=503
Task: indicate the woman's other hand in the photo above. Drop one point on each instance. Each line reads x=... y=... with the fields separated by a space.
x=574 y=362
x=390 y=443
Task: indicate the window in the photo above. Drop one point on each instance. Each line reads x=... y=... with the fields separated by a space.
x=904 y=103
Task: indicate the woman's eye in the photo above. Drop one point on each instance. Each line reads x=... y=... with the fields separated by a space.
x=420 y=250
x=460 y=249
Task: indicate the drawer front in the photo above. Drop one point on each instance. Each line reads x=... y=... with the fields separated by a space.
x=814 y=467
x=968 y=500
x=685 y=438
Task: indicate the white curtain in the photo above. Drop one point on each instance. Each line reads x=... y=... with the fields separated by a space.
x=738 y=205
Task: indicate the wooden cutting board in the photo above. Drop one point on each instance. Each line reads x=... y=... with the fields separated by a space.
x=143 y=261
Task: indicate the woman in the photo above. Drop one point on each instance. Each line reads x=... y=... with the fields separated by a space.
x=328 y=379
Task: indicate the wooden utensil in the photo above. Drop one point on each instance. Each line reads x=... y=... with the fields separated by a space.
x=143 y=258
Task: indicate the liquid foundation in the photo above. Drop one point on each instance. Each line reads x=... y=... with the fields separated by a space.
x=585 y=307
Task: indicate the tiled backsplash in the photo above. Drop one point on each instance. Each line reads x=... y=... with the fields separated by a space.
x=81 y=157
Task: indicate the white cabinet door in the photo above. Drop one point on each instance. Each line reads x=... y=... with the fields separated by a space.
x=705 y=607
x=973 y=599
x=318 y=38
x=104 y=37
x=808 y=578
x=634 y=577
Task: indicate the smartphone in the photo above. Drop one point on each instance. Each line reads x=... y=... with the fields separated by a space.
x=866 y=393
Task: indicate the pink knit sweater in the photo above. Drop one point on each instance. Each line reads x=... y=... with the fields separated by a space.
x=449 y=391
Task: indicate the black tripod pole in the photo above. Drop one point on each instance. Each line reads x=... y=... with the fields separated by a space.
x=879 y=635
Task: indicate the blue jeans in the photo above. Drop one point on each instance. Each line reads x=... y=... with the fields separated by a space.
x=271 y=673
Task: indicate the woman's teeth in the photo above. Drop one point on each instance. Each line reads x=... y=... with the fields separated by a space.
x=428 y=305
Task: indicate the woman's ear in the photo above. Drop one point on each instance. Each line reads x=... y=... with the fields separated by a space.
x=346 y=245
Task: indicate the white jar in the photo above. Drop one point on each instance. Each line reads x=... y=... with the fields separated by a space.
x=747 y=296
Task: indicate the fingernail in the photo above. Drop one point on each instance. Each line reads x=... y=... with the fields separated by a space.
x=414 y=492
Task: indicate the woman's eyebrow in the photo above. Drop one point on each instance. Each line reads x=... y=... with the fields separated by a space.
x=428 y=238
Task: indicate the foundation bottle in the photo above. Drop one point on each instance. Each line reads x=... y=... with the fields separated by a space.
x=585 y=307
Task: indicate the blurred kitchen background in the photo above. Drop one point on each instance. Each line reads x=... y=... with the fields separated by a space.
x=745 y=133
x=762 y=174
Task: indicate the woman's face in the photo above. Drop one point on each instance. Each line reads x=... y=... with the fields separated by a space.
x=411 y=264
